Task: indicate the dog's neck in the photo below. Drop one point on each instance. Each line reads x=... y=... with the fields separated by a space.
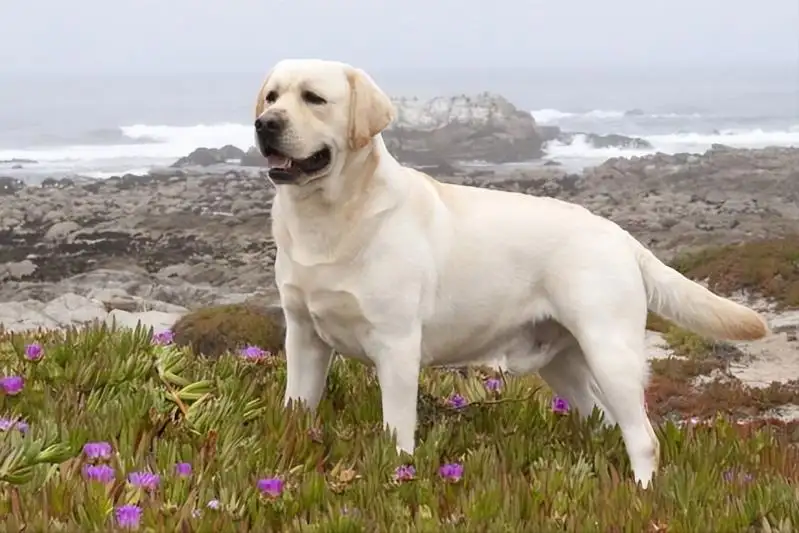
x=318 y=217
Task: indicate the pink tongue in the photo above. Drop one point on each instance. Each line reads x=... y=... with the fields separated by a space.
x=278 y=161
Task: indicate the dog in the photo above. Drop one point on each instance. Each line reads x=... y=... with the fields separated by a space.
x=383 y=263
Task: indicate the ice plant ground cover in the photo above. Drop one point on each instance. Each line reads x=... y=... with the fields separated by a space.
x=107 y=430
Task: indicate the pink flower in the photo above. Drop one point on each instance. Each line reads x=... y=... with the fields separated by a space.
x=493 y=384
x=452 y=472
x=405 y=473
x=12 y=385
x=560 y=405
x=272 y=487
x=164 y=338
x=34 y=351
x=457 y=401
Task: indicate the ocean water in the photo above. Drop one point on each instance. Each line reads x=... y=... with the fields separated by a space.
x=104 y=125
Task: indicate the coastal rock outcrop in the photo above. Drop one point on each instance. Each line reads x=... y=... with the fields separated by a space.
x=484 y=127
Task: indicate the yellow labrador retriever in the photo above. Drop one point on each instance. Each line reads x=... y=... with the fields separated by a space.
x=382 y=263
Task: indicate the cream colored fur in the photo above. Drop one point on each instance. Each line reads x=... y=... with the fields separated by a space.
x=384 y=264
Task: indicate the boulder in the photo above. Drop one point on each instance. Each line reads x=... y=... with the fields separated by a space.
x=158 y=320
x=24 y=316
x=10 y=185
x=253 y=158
x=611 y=140
x=61 y=230
x=205 y=157
x=485 y=127
x=72 y=309
x=17 y=270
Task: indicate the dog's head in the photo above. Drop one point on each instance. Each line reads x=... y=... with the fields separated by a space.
x=310 y=114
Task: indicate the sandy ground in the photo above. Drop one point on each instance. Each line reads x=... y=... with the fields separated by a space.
x=772 y=359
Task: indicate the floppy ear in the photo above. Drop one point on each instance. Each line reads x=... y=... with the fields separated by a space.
x=261 y=102
x=371 y=109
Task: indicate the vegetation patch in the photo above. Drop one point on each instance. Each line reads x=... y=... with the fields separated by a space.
x=678 y=392
x=107 y=430
x=769 y=268
x=213 y=331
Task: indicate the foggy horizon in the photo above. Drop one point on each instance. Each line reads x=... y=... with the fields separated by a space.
x=249 y=36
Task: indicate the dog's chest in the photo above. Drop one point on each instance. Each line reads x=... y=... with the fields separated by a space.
x=335 y=312
x=338 y=320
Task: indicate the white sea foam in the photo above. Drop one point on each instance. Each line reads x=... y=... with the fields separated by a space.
x=550 y=116
x=553 y=116
x=580 y=152
x=151 y=145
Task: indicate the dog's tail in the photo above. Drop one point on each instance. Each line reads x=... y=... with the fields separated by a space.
x=692 y=306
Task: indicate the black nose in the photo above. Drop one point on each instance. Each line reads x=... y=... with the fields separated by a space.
x=270 y=125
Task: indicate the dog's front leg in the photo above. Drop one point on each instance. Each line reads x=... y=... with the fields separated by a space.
x=398 y=364
x=307 y=363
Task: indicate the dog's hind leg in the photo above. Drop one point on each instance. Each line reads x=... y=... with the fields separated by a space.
x=619 y=369
x=602 y=301
x=569 y=376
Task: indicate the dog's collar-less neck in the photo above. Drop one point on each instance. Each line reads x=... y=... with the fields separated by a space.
x=316 y=226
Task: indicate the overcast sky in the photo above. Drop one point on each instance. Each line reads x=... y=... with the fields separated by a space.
x=250 y=35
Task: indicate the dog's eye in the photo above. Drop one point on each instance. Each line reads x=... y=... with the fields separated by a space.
x=271 y=96
x=313 y=98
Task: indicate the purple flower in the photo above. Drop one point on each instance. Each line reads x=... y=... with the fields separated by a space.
x=213 y=504
x=164 y=337
x=560 y=405
x=144 y=480
x=457 y=401
x=732 y=475
x=183 y=469
x=451 y=472
x=34 y=351
x=254 y=353
x=272 y=487
x=405 y=473
x=101 y=473
x=493 y=384
x=7 y=424
x=128 y=516
x=12 y=385
x=97 y=450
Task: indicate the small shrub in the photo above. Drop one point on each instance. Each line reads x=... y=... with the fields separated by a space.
x=216 y=330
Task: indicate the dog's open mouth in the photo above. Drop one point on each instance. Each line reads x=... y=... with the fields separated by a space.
x=285 y=169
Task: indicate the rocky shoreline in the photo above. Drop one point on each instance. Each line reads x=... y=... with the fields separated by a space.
x=195 y=236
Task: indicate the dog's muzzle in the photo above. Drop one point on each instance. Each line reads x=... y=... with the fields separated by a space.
x=268 y=129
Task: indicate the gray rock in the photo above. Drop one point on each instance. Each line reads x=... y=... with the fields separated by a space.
x=606 y=141
x=72 y=309
x=24 y=316
x=253 y=158
x=206 y=157
x=10 y=186
x=482 y=127
x=115 y=298
x=61 y=230
x=17 y=270
x=157 y=320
